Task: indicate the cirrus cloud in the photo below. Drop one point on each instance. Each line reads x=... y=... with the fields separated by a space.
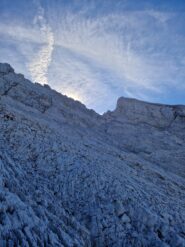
x=95 y=53
x=39 y=65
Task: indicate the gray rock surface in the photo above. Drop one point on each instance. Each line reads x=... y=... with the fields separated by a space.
x=71 y=177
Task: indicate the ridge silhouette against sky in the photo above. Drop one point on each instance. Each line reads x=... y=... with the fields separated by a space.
x=96 y=51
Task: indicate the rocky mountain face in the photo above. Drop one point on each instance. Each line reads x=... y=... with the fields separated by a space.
x=72 y=177
x=153 y=131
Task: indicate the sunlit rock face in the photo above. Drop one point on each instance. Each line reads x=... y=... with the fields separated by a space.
x=71 y=177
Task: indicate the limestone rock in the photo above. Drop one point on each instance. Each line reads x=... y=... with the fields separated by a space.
x=5 y=68
x=72 y=177
x=125 y=219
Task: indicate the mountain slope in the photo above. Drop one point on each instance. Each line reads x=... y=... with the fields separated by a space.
x=71 y=177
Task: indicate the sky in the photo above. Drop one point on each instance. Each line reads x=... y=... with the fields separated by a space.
x=98 y=50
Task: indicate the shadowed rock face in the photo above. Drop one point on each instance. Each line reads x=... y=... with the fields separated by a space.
x=71 y=177
x=135 y=111
x=153 y=131
x=140 y=112
x=5 y=68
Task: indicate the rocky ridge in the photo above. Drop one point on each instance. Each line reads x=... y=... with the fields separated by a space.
x=72 y=177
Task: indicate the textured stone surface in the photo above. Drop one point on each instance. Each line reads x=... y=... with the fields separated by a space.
x=153 y=131
x=5 y=68
x=70 y=177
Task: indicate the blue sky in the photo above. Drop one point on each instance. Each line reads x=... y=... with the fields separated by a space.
x=98 y=50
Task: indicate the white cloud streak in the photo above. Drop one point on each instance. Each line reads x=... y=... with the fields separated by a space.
x=41 y=61
x=120 y=45
x=98 y=58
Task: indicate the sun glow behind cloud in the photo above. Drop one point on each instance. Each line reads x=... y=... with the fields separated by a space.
x=133 y=68
x=96 y=53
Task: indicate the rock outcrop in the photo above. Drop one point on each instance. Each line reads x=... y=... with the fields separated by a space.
x=71 y=177
x=155 y=132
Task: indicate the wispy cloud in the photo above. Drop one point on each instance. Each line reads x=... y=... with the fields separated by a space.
x=131 y=47
x=39 y=65
x=161 y=16
x=95 y=54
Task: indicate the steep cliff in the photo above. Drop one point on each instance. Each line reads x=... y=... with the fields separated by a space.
x=71 y=177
